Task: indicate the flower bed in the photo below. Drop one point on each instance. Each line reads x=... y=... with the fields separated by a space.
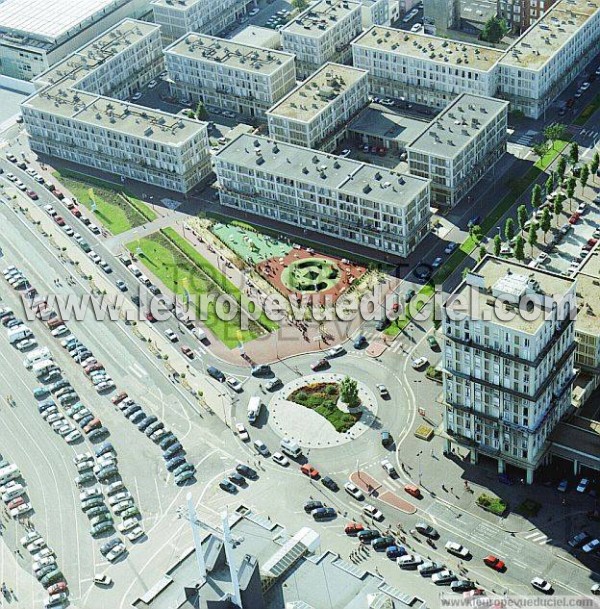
x=492 y=504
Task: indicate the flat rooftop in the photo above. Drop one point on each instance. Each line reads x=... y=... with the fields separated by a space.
x=547 y=35
x=317 y=92
x=323 y=170
x=97 y=52
x=387 y=125
x=257 y=36
x=319 y=18
x=451 y=130
x=494 y=280
x=232 y=54
x=176 y=5
x=588 y=294
x=50 y=21
x=429 y=48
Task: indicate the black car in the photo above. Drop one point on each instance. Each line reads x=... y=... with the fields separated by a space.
x=324 y=513
x=360 y=342
x=85 y=420
x=142 y=425
x=227 y=486
x=311 y=505
x=131 y=409
x=175 y=462
x=167 y=440
x=105 y=447
x=246 y=471
x=136 y=300
x=427 y=530
x=216 y=373
x=260 y=370
x=97 y=434
x=386 y=438
x=382 y=324
x=367 y=535
x=330 y=483
x=105 y=548
x=136 y=417
x=170 y=452
x=462 y=585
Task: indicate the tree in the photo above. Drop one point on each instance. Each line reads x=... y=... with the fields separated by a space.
x=571 y=184
x=554 y=132
x=494 y=30
x=497 y=245
x=584 y=177
x=476 y=232
x=520 y=248
x=509 y=229
x=549 y=186
x=522 y=216
x=546 y=222
x=349 y=392
x=536 y=196
x=299 y=5
x=532 y=237
x=574 y=153
x=540 y=148
x=201 y=113
x=561 y=167
x=558 y=208
x=594 y=164
x=482 y=251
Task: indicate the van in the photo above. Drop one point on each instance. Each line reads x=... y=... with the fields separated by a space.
x=291 y=448
x=8 y=473
x=254 y=406
x=199 y=333
x=43 y=367
x=18 y=333
x=35 y=356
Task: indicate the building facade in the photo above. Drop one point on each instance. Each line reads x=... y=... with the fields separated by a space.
x=509 y=349
x=441 y=15
x=77 y=115
x=520 y=14
x=375 y=12
x=424 y=69
x=322 y=33
x=459 y=146
x=325 y=194
x=179 y=17
x=244 y=79
x=315 y=114
x=31 y=42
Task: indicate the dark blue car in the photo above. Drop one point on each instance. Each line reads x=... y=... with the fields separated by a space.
x=395 y=551
x=175 y=462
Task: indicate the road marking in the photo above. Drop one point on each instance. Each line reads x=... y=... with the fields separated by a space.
x=137 y=370
x=538 y=537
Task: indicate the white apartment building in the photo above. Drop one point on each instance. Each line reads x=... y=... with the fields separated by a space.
x=549 y=55
x=459 y=146
x=508 y=355
x=245 y=79
x=375 y=12
x=425 y=69
x=178 y=17
x=322 y=33
x=35 y=34
x=76 y=114
x=316 y=113
x=342 y=198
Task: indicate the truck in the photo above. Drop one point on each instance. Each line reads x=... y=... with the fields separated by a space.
x=254 y=406
x=43 y=367
x=291 y=448
x=35 y=356
x=18 y=333
x=199 y=333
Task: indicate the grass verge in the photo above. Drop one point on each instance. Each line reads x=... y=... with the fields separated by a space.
x=587 y=112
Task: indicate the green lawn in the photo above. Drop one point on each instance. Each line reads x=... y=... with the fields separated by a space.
x=116 y=210
x=557 y=147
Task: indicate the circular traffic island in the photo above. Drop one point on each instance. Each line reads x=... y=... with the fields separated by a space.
x=319 y=410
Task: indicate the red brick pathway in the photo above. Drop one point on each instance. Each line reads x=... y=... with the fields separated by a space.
x=371 y=486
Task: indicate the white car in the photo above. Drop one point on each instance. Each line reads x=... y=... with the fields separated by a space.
x=73 y=436
x=28 y=343
x=36 y=545
x=152 y=84
x=389 y=468
x=234 y=384
x=117 y=551
x=541 y=584
x=114 y=487
x=585 y=86
x=346 y=152
x=30 y=538
x=103 y=580
x=44 y=562
x=135 y=534
x=105 y=386
x=89 y=493
x=60 y=331
x=43 y=553
x=137 y=95
x=591 y=546
x=68 y=230
x=171 y=335
x=54 y=417
x=354 y=491
x=417 y=27
x=457 y=549
x=335 y=351
x=128 y=524
x=542 y=258
x=419 y=362
x=437 y=262
x=583 y=485
x=242 y=432
x=118 y=497
x=122 y=506
x=280 y=459
x=372 y=512
x=105 y=267
x=65 y=429
x=94 y=257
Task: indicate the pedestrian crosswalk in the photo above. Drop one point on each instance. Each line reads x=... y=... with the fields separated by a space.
x=526 y=138
x=137 y=370
x=398 y=346
x=538 y=537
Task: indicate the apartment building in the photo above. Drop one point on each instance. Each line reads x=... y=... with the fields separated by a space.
x=179 y=17
x=375 y=12
x=520 y=14
x=76 y=113
x=441 y=15
x=315 y=114
x=425 y=69
x=322 y=33
x=509 y=350
x=245 y=79
x=549 y=55
x=342 y=198
x=32 y=40
x=459 y=146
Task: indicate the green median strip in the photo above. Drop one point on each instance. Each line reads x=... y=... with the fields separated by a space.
x=588 y=111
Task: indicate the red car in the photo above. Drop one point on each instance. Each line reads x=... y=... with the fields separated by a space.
x=119 y=398
x=322 y=363
x=353 y=528
x=93 y=424
x=150 y=317
x=15 y=503
x=58 y=588
x=187 y=352
x=308 y=470
x=592 y=242
x=92 y=368
x=494 y=563
x=32 y=195
x=59 y=220
x=58 y=194
x=75 y=211
x=574 y=218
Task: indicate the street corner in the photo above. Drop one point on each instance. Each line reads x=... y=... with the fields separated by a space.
x=373 y=488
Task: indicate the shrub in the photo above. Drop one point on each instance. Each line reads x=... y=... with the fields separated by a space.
x=331 y=390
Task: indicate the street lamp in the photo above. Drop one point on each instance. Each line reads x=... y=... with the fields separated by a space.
x=419 y=457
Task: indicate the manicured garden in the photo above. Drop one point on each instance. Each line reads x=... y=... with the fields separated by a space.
x=323 y=398
x=117 y=210
x=311 y=275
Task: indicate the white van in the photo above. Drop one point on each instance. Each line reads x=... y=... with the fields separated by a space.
x=8 y=473
x=199 y=333
x=35 y=356
x=18 y=333
x=254 y=406
x=16 y=491
x=291 y=448
x=43 y=367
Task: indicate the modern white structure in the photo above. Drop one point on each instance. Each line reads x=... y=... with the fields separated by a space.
x=322 y=33
x=375 y=12
x=549 y=55
x=178 y=17
x=425 y=69
x=244 y=79
x=316 y=113
x=326 y=194
x=459 y=146
x=35 y=34
x=76 y=114
x=509 y=349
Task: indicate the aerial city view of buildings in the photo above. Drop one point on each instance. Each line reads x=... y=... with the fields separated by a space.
x=301 y=302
